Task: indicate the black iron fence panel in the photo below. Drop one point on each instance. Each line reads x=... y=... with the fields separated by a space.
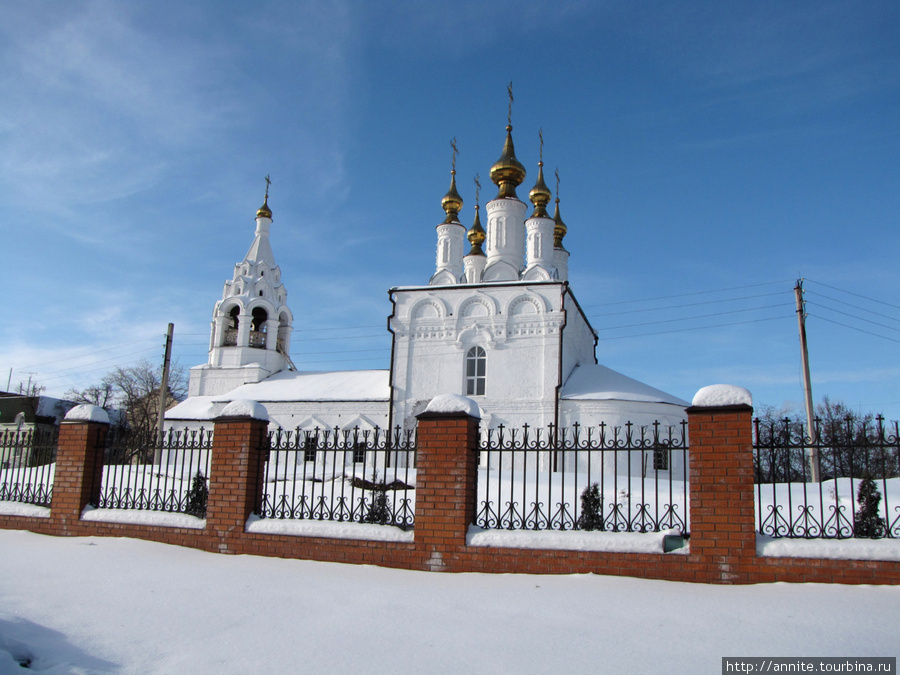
x=613 y=479
x=840 y=481
x=28 y=465
x=140 y=473
x=341 y=475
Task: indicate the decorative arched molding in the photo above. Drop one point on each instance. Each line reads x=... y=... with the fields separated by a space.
x=313 y=423
x=537 y=273
x=428 y=308
x=500 y=270
x=224 y=307
x=360 y=421
x=527 y=305
x=466 y=306
x=264 y=303
x=443 y=278
x=476 y=334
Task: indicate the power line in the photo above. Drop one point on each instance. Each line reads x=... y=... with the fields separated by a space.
x=853 y=316
x=864 y=297
x=848 y=304
x=89 y=353
x=699 y=316
x=684 y=295
x=688 y=304
x=682 y=330
x=883 y=337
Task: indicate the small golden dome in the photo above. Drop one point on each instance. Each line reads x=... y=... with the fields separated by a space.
x=264 y=211
x=452 y=202
x=540 y=194
x=560 y=229
x=507 y=172
x=476 y=235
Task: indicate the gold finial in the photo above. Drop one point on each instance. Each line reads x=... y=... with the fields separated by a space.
x=476 y=234
x=452 y=202
x=559 y=229
x=508 y=172
x=264 y=211
x=540 y=194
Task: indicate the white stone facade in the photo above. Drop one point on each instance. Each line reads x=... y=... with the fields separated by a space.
x=532 y=335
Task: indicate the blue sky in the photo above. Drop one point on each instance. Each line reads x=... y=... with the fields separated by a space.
x=709 y=155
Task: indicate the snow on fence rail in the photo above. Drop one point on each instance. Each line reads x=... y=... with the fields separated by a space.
x=841 y=481
x=622 y=479
x=27 y=464
x=342 y=475
x=140 y=474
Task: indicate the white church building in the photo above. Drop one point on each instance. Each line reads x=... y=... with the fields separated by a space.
x=498 y=322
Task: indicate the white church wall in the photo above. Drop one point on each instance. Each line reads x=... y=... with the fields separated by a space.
x=616 y=414
x=517 y=324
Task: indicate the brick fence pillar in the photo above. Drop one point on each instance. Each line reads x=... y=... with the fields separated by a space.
x=79 y=462
x=723 y=521
x=235 y=476
x=446 y=483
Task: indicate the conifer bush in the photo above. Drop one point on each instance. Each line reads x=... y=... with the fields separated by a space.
x=379 y=511
x=591 y=517
x=868 y=523
x=197 y=496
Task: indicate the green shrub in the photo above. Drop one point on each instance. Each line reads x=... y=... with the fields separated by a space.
x=868 y=523
x=197 y=496
x=591 y=517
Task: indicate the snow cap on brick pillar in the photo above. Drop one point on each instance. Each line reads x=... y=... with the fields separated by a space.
x=240 y=407
x=87 y=413
x=454 y=403
x=721 y=395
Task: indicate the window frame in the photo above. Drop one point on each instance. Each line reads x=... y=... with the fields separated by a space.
x=475 y=371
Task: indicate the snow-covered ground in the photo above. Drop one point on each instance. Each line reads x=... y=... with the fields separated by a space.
x=102 y=605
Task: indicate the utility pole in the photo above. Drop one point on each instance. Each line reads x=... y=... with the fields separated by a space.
x=163 y=394
x=812 y=451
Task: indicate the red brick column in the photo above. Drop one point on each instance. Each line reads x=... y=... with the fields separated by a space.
x=235 y=477
x=723 y=531
x=79 y=460
x=446 y=483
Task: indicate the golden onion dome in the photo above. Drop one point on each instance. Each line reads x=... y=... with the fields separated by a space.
x=452 y=202
x=264 y=211
x=507 y=172
x=540 y=194
x=560 y=229
x=476 y=235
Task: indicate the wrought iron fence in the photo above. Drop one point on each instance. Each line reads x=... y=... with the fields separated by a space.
x=841 y=481
x=614 y=479
x=139 y=473
x=28 y=465
x=343 y=475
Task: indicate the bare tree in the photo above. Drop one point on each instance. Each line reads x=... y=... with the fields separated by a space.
x=135 y=391
x=851 y=444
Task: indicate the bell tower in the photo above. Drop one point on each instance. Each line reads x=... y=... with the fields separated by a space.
x=250 y=336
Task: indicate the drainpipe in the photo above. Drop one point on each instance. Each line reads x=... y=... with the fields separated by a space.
x=390 y=428
x=564 y=289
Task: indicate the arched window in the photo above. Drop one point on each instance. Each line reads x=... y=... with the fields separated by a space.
x=259 y=319
x=476 y=364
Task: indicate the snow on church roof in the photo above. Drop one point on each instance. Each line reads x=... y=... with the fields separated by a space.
x=335 y=385
x=338 y=385
x=596 y=382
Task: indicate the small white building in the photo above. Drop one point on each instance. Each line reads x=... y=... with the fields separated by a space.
x=499 y=323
